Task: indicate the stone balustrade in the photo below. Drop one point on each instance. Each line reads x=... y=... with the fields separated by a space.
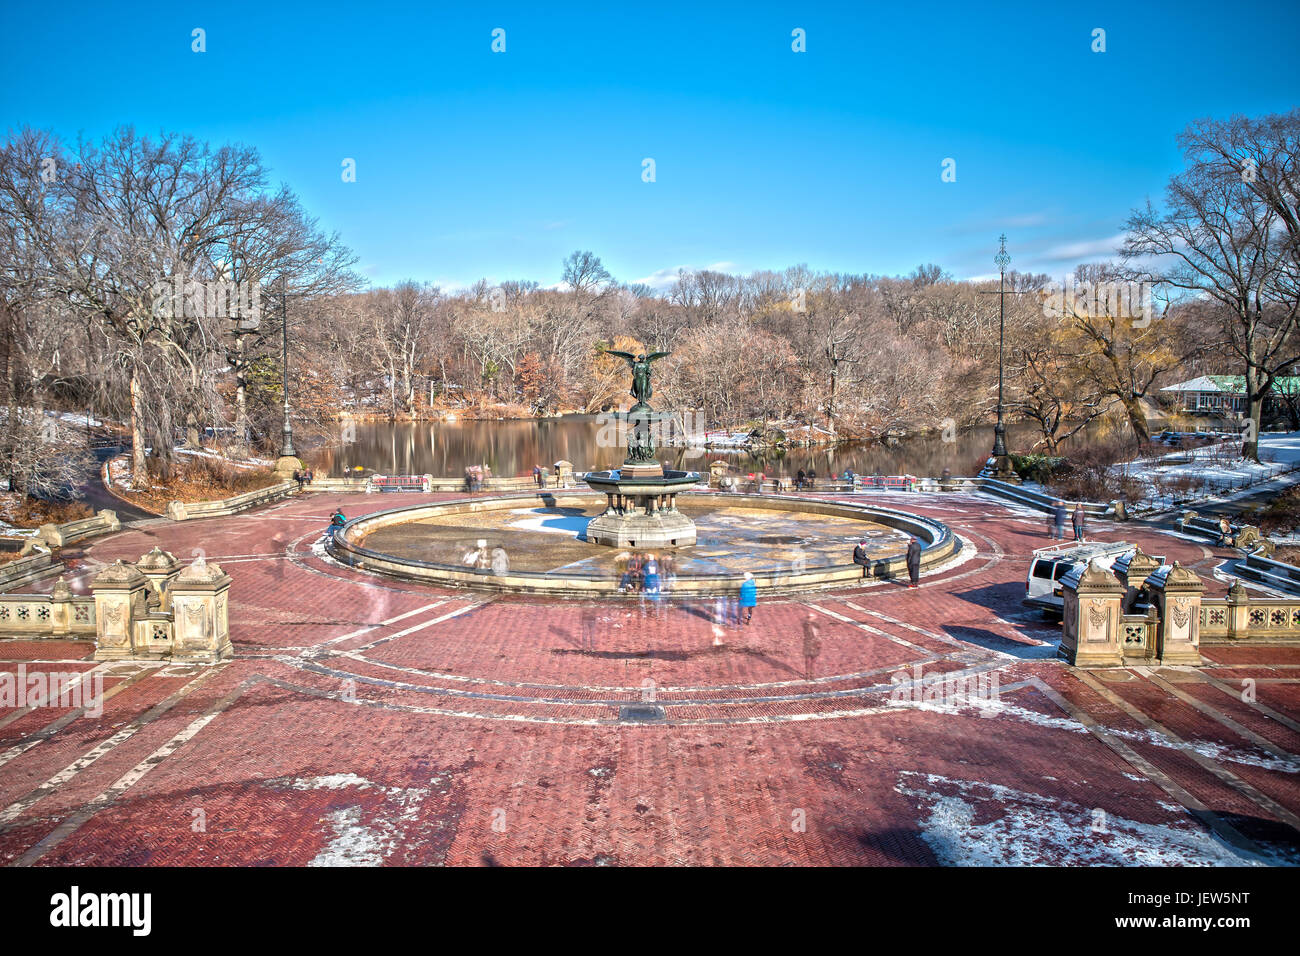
x=153 y=609
x=70 y=532
x=184 y=510
x=1144 y=612
x=58 y=614
x=37 y=563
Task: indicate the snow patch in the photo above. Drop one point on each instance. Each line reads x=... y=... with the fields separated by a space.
x=1028 y=829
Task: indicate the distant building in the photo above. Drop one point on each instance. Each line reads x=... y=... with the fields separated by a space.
x=1226 y=394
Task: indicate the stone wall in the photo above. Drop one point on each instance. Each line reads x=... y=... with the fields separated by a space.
x=153 y=609
x=1140 y=613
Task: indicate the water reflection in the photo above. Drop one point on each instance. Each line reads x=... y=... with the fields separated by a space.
x=514 y=448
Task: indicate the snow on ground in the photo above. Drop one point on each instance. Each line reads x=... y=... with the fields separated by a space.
x=543 y=519
x=971 y=823
x=1214 y=472
x=237 y=462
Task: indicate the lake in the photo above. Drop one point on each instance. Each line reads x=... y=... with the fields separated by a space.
x=512 y=448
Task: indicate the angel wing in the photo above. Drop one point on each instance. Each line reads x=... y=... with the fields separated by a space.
x=623 y=355
x=654 y=355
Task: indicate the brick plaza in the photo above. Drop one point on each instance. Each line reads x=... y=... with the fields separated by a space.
x=369 y=721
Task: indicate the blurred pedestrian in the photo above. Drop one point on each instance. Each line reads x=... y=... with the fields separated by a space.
x=812 y=644
x=1079 y=518
x=748 y=596
x=1059 y=515
x=914 y=561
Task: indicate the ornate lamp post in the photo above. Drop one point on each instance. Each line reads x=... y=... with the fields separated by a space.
x=288 y=460
x=1002 y=467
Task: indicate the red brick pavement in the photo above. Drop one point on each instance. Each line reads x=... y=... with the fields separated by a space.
x=367 y=720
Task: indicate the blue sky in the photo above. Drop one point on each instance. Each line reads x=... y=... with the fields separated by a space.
x=475 y=164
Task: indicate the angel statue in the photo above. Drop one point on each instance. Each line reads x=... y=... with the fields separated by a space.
x=640 y=366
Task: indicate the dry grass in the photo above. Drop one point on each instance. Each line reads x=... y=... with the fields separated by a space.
x=1289 y=555
x=198 y=479
x=23 y=512
x=1282 y=515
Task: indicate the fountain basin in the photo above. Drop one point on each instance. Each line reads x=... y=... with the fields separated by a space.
x=574 y=569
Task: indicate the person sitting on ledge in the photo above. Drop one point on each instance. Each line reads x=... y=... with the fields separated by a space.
x=337 y=520
x=1226 y=538
x=860 y=557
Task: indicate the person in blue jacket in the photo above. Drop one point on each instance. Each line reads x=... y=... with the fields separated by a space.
x=749 y=596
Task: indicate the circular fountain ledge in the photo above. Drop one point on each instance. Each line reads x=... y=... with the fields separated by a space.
x=938 y=544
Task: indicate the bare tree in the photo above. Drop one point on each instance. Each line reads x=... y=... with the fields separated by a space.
x=1229 y=233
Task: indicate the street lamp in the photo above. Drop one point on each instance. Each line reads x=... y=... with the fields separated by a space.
x=1002 y=468
x=288 y=460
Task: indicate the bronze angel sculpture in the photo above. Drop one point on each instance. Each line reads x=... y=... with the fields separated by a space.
x=640 y=366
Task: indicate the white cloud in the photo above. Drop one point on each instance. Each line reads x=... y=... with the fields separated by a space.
x=1087 y=249
x=663 y=279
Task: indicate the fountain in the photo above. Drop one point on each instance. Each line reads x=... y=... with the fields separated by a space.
x=641 y=497
x=790 y=543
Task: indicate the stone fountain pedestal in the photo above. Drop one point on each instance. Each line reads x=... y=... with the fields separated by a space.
x=641 y=507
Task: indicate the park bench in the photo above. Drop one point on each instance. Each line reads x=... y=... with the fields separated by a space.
x=384 y=483
x=890 y=482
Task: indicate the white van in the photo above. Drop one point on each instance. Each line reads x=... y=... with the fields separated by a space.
x=1049 y=565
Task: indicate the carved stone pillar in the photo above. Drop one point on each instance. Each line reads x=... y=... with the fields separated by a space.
x=1238 y=612
x=200 y=613
x=60 y=608
x=121 y=593
x=1090 y=631
x=1176 y=592
x=1132 y=571
x=159 y=567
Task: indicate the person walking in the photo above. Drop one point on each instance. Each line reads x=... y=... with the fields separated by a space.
x=537 y=475
x=861 y=557
x=914 y=561
x=1078 y=521
x=749 y=596
x=721 y=618
x=799 y=478
x=652 y=590
x=812 y=479
x=812 y=644
x=1058 y=516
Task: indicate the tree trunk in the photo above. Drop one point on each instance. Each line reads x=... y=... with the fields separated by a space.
x=241 y=401
x=1137 y=419
x=830 y=404
x=139 y=467
x=1255 y=412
